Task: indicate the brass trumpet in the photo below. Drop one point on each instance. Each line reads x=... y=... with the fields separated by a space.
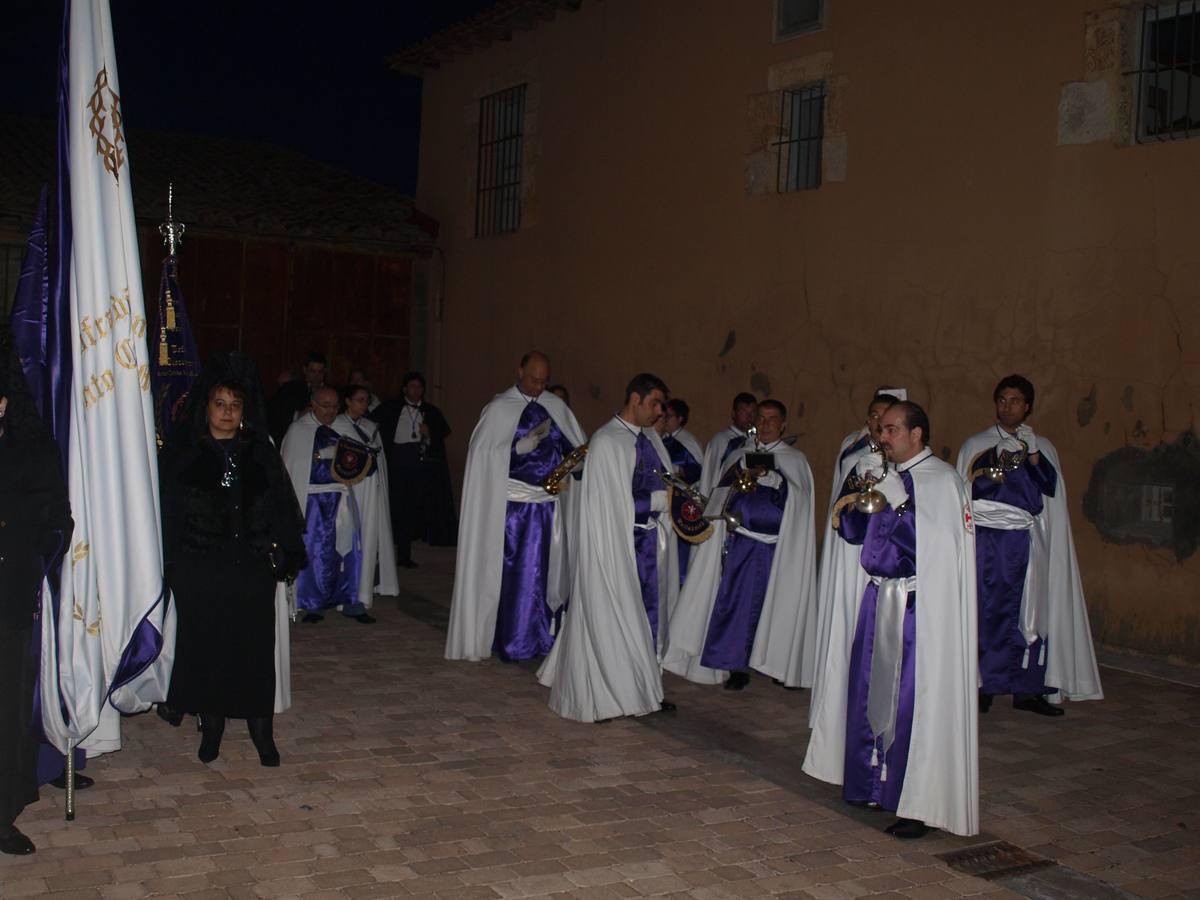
x=866 y=498
x=1006 y=461
x=553 y=483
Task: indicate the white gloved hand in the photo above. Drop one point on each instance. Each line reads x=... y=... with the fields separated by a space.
x=770 y=479
x=1008 y=444
x=658 y=501
x=1025 y=433
x=892 y=487
x=527 y=444
x=869 y=465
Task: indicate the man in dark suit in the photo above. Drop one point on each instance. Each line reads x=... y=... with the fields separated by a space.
x=422 y=504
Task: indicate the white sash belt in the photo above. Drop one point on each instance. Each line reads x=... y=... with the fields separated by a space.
x=883 y=690
x=758 y=536
x=1035 y=597
x=523 y=492
x=346 y=523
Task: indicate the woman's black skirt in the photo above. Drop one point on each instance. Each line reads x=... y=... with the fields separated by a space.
x=225 y=644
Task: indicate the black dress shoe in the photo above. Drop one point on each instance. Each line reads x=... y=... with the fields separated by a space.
x=1036 y=703
x=365 y=619
x=168 y=714
x=82 y=782
x=14 y=843
x=985 y=702
x=908 y=829
x=737 y=681
x=312 y=618
x=211 y=729
x=668 y=706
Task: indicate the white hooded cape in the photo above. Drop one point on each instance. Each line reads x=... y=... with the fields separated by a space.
x=371 y=495
x=840 y=587
x=941 y=784
x=1071 y=657
x=710 y=467
x=480 y=556
x=604 y=663
x=785 y=641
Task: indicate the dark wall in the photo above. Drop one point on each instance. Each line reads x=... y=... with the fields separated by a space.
x=276 y=301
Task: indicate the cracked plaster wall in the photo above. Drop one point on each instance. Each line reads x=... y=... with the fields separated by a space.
x=966 y=241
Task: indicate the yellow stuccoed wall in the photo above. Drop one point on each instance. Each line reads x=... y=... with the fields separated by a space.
x=983 y=212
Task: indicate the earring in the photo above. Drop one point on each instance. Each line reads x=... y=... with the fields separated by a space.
x=242 y=425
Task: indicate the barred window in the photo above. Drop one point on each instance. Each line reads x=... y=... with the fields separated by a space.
x=498 y=177
x=1168 y=72
x=793 y=17
x=802 y=128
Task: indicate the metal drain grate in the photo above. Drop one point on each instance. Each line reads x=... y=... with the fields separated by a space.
x=998 y=859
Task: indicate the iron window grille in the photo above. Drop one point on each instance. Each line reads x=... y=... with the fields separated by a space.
x=801 y=129
x=498 y=174
x=1168 y=72
x=793 y=17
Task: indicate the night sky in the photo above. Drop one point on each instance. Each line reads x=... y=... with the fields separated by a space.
x=308 y=74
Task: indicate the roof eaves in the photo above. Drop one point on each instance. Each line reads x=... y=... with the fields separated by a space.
x=478 y=33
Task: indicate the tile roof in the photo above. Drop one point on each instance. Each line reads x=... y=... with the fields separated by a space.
x=478 y=32
x=226 y=186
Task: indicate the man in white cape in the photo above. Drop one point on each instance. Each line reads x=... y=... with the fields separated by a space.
x=625 y=580
x=687 y=461
x=1034 y=636
x=742 y=414
x=841 y=580
x=332 y=526
x=513 y=564
x=909 y=739
x=377 y=573
x=749 y=602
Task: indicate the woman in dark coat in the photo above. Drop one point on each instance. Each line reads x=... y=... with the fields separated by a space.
x=231 y=529
x=35 y=525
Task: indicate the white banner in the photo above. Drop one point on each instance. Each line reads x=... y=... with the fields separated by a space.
x=114 y=624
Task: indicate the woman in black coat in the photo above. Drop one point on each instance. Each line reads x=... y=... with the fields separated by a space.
x=231 y=529
x=35 y=525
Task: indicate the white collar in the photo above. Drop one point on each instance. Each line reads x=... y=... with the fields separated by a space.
x=919 y=458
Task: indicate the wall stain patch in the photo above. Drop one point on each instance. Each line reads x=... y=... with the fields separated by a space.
x=1150 y=497
x=760 y=383
x=730 y=340
x=1127 y=398
x=1087 y=408
x=594 y=391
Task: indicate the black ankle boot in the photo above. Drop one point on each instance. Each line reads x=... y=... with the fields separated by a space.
x=261 y=732
x=212 y=727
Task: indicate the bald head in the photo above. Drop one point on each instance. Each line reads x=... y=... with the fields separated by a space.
x=325 y=405
x=533 y=374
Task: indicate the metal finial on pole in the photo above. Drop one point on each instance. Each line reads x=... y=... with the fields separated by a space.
x=171 y=231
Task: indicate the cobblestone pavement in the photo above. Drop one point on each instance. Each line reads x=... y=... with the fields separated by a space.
x=404 y=775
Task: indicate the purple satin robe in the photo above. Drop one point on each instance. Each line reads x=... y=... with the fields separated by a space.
x=690 y=467
x=523 y=618
x=646 y=481
x=745 y=573
x=889 y=550
x=1002 y=558
x=330 y=578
